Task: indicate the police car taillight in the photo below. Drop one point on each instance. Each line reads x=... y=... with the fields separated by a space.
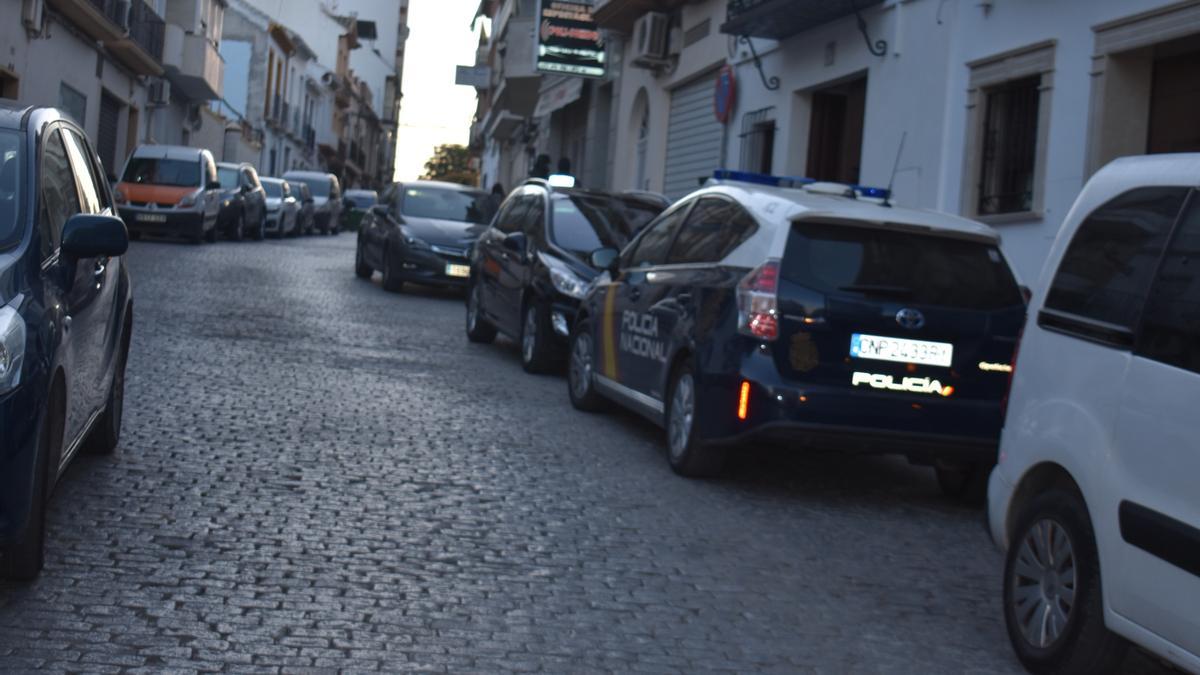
x=758 y=302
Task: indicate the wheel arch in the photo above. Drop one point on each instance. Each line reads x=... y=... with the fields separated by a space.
x=1038 y=480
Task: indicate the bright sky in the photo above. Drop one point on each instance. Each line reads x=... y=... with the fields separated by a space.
x=434 y=110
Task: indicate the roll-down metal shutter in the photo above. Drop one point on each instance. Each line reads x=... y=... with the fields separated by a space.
x=693 y=137
x=106 y=138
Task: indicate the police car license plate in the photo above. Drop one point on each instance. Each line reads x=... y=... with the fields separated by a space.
x=901 y=350
x=458 y=271
x=152 y=217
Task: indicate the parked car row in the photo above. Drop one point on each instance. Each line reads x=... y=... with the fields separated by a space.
x=182 y=192
x=819 y=315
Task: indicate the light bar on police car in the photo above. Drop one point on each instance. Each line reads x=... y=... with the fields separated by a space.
x=794 y=182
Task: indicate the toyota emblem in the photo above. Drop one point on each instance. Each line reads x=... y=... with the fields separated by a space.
x=910 y=319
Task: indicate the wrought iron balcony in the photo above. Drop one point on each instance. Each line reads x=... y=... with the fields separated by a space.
x=779 y=19
x=128 y=28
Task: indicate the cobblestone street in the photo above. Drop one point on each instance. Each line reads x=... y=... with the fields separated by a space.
x=316 y=474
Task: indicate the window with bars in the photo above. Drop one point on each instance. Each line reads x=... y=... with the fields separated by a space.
x=1009 y=153
x=758 y=140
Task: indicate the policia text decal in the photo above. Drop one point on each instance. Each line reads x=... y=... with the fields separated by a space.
x=569 y=41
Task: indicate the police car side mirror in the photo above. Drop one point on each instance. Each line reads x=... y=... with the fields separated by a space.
x=606 y=259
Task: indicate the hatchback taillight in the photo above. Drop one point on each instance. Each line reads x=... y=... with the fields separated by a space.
x=758 y=302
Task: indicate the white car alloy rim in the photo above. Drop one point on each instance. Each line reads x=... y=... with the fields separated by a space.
x=1043 y=583
x=682 y=404
x=529 y=335
x=581 y=365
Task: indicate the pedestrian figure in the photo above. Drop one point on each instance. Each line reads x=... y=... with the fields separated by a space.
x=541 y=167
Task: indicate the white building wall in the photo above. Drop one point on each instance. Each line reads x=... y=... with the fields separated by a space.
x=62 y=55
x=1010 y=25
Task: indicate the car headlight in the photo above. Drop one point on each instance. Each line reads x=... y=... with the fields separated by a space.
x=415 y=242
x=12 y=348
x=567 y=282
x=189 y=201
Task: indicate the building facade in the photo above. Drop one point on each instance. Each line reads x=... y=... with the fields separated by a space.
x=998 y=111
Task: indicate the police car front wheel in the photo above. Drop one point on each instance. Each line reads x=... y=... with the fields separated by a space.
x=580 y=384
x=687 y=455
x=537 y=355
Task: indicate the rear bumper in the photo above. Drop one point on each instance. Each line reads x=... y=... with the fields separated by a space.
x=163 y=221
x=924 y=428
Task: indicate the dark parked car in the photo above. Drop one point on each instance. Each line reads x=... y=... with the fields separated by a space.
x=531 y=268
x=65 y=319
x=357 y=203
x=243 y=202
x=421 y=232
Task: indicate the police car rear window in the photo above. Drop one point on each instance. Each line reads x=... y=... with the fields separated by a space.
x=900 y=266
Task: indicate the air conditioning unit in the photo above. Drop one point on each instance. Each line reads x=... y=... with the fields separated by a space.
x=31 y=14
x=650 y=36
x=160 y=92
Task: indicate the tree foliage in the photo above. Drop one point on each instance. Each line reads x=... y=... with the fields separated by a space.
x=451 y=163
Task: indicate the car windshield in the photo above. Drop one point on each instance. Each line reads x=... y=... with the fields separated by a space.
x=468 y=206
x=273 y=189
x=583 y=223
x=362 y=200
x=10 y=188
x=173 y=172
x=227 y=177
x=916 y=268
x=319 y=185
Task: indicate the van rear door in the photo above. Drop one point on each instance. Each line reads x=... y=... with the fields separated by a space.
x=898 y=327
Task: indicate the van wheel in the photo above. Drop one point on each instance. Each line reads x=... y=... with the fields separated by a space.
x=25 y=557
x=580 y=384
x=964 y=481
x=479 y=329
x=687 y=455
x=1052 y=602
x=536 y=351
x=107 y=433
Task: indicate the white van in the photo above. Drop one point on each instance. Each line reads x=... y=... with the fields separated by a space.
x=1096 y=497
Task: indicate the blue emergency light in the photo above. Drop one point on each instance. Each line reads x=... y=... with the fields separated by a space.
x=794 y=182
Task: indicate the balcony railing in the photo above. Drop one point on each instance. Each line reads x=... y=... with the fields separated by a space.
x=779 y=19
x=116 y=11
x=146 y=28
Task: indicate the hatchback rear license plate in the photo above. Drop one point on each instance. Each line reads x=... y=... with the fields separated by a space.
x=458 y=271
x=152 y=218
x=901 y=350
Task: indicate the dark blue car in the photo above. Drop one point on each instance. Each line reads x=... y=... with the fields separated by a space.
x=817 y=314
x=65 y=319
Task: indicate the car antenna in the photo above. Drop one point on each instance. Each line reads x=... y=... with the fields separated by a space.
x=887 y=201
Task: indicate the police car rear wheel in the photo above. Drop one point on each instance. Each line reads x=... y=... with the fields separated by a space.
x=536 y=356
x=478 y=328
x=580 y=385
x=688 y=457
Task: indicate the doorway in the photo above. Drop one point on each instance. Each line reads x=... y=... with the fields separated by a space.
x=835 y=134
x=1175 y=99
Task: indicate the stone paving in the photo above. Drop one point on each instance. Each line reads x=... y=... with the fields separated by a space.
x=318 y=475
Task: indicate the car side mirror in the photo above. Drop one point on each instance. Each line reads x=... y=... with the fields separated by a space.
x=244 y=189
x=516 y=242
x=606 y=258
x=347 y=203
x=94 y=236
x=1027 y=293
x=214 y=185
x=380 y=210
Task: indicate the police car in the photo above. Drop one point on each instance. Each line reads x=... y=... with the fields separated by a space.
x=769 y=308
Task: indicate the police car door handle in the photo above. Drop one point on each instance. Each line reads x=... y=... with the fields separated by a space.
x=635 y=293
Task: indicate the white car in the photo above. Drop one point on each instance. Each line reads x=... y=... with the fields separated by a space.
x=1096 y=497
